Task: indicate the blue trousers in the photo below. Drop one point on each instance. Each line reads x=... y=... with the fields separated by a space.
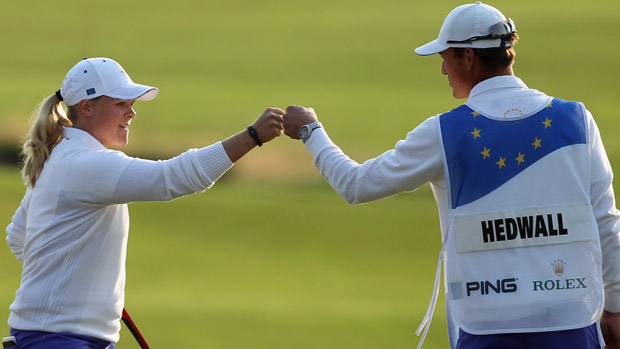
x=581 y=338
x=64 y=340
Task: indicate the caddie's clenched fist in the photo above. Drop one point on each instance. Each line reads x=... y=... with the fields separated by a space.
x=296 y=116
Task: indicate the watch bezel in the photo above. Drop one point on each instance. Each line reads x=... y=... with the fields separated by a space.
x=306 y=130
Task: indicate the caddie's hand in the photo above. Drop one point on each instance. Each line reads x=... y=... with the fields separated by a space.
x=610 y=327
x=296 y=116
x=269 y=124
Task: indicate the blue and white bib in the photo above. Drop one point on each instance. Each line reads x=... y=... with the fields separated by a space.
x=522 y=252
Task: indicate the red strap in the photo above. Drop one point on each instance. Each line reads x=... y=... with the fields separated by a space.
x=134 y=330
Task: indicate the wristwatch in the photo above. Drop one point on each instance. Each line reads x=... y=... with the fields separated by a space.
x=306 y=130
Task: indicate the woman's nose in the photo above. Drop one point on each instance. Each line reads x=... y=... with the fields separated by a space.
x=131 y=113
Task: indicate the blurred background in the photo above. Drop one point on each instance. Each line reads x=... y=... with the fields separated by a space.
x=271 y=256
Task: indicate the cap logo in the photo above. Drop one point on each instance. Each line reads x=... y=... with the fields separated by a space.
x=90 y=91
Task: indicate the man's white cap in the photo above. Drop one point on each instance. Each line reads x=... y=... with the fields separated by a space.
x=94 y=77
x=473 y=25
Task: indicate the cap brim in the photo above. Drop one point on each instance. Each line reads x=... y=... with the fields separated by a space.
x=431 y=48
x=134 y=91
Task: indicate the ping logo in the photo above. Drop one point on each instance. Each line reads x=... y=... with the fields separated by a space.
x=558 y=267
x=90 y=91
x=486 y=287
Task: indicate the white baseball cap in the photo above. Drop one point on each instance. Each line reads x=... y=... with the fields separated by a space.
x=94 y=77
x=473 y=25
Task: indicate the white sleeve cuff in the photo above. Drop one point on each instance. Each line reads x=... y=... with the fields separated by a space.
x=214 y=161
x=317 y=141
x=612 y=303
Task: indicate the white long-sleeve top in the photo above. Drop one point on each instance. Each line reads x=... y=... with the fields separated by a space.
x=71 y=230
x=417 y=160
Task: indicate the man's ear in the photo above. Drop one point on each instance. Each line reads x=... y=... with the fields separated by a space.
x=470 y=58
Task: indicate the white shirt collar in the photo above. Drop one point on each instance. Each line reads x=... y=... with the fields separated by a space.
x=506 y=96
x=81 y=136
x=497 y=83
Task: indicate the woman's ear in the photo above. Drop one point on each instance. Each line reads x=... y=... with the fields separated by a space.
x=84 y=108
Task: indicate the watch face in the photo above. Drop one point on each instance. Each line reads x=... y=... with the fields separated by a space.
x=303 y=132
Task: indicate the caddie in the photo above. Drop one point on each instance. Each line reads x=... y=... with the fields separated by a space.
x=530 y=231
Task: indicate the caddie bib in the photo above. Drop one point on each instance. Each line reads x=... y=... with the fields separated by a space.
x=522 y=253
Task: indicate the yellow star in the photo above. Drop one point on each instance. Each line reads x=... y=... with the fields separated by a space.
x=536 y=143
x=475 y=113
x=485 y=153
x=550 y=105
x=547 y=123
x=476 y=133
x=520 y=158
x=501 y=162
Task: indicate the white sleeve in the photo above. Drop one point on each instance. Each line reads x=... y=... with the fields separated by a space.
x=413 y=162
x=16 y=230
x=607 y=216
x=111 y=177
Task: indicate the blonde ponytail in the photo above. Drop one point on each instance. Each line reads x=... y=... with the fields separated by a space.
x=49 y=120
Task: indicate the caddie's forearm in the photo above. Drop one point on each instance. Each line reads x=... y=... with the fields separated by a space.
x=335 y=166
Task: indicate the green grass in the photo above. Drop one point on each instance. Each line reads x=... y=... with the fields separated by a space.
x=271 y=257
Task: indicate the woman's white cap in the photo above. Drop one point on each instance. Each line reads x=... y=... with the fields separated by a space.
x=94 y=77
x=473 y=25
